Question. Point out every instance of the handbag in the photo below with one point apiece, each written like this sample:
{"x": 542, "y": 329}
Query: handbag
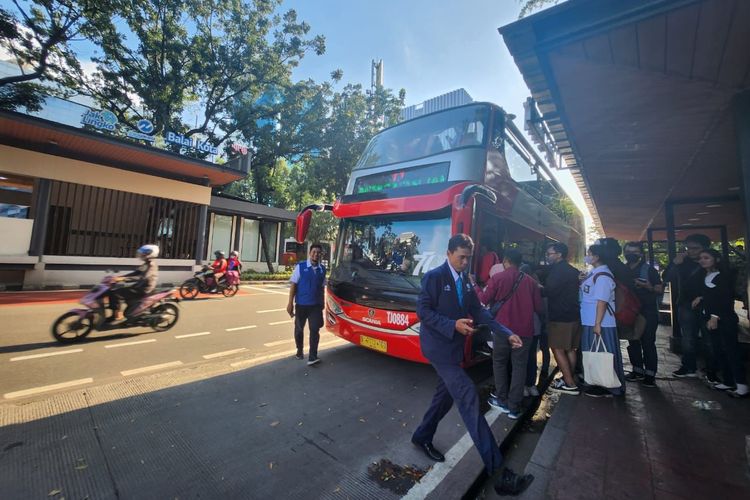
{"x": 495, "y": 308}
{"x": 599, "y": 366}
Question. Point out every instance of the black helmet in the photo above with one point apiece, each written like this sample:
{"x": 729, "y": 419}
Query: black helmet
{"x": 219, "y": 254}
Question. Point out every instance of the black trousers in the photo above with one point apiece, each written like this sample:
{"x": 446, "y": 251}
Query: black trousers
{"x": 642, "y": 352}
{"x": 728, "y": 352}
{"x": 313, "y": 316}
{"x": 131, "y": 296}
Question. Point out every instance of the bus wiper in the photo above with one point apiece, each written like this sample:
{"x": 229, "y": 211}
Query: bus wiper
{"x": 391, "y": 273}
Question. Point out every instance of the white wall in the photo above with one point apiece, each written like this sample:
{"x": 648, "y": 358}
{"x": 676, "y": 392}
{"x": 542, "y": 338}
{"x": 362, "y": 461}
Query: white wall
{"x": 16, "y": 236}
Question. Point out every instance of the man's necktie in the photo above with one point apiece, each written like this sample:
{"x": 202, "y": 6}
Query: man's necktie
{"x": 460, "y": 290}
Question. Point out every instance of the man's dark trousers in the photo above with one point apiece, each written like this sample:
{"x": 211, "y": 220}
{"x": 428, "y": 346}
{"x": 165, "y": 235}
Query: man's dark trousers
{"x": 313, "y": 315}
{"x": 455, "y": 384}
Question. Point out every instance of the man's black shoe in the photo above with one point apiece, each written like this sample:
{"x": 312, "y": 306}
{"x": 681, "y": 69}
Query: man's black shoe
{"x": 510, "y": 483}
{"x": 430, "y": 451}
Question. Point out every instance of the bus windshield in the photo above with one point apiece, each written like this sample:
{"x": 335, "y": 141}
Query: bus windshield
{"x": 390, "y": 253}
{"x": 429, "y": 135}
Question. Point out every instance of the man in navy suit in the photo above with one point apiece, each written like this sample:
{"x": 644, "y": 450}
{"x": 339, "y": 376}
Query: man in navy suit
{"x": 449, "y": 310}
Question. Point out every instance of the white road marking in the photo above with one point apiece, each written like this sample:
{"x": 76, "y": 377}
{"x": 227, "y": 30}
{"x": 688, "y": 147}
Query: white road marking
{"x": 269, "y": 357}
{"x": 123, "y": 344}
{"x": 47, "y": 388}
{"x": 278, "y": 342}
{"x": 265, "y": 290}
{"x": 240, "y": 328}
{"x": 199, "y": 334}
{"x": 224, "y": 353}
{"x": 281, "y": 342}
{"x": 281, "y": 322}
{"x": 45, "y": 355}
{"x": 151, "y": 368}
{"x": 271, "y": 310}
{"x": 440, "y": 470}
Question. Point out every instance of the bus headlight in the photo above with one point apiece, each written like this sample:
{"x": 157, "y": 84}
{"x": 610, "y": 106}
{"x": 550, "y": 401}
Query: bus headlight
{"x": 333, "y": 306}
{"x": 415, "y": 327}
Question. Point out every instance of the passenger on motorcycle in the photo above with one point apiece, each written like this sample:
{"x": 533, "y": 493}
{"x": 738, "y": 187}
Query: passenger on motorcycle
{"x": 138, "y": 284}
{"x": 219, "y": 268}
{"x": 234, "y": 263}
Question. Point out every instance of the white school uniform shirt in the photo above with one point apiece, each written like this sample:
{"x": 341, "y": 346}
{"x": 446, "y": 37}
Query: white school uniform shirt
{"x": 591, "y": 293}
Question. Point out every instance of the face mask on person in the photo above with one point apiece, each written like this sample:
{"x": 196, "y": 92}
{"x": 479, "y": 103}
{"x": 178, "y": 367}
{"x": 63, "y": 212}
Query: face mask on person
{"x": 632, "y": 258}
{"x": 588, "y": 260}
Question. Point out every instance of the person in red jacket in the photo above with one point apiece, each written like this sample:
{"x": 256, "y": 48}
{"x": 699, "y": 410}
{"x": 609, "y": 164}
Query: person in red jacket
{"x": 521, "y": 297}
{"x": 219, "y": 267}
{"x": 234, "y": 263}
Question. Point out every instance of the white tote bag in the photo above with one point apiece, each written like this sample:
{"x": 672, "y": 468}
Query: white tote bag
{"x": 599, "y": 366}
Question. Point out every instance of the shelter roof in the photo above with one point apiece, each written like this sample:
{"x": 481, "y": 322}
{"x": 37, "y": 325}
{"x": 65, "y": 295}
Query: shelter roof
{"x": 638, "y": 98}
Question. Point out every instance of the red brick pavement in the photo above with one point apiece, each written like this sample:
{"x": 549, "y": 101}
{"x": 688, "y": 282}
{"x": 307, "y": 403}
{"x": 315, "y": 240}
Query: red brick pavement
{"x": 655, "y": 444}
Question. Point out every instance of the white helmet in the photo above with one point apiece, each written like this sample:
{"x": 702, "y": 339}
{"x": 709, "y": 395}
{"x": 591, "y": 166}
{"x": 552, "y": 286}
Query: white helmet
{"x": 147, "y": 252}
{"x": 234, "y": 253}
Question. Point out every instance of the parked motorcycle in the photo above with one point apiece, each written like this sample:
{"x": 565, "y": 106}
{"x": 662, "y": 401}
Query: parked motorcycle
{"x": 203, "y": 282}
{"x": 157, "y": 310}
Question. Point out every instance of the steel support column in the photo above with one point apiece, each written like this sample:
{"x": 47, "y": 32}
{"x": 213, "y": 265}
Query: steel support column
{"x": 676, "y": 339}
{"x": 41, "y": 216}
{"x": 724, "y": 243}
{"x": 650, "y": 241}
{"x": 742, "y": 127}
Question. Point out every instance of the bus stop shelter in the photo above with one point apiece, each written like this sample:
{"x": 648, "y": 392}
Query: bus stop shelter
{"x": 648, "y": 104}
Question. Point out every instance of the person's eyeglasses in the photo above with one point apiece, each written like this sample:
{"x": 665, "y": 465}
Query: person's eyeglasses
{"x": 550, "y": 254}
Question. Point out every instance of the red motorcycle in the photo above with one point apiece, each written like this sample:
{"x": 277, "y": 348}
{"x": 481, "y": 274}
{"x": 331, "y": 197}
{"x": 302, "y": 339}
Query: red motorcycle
{"x": 203, "y": 282}
{"x": 157, "y": 310}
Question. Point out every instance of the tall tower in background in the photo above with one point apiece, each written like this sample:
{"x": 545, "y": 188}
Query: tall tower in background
{"x": 376, "y": 79}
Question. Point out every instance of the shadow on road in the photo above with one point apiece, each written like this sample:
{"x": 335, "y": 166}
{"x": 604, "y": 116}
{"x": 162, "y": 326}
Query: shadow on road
{"x": 93, "y": 337}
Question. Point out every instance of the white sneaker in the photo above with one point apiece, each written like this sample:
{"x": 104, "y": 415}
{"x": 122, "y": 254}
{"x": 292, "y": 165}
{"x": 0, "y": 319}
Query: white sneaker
{"x": 490, "y": 344}
{"x": 532, "y": 391}
{"x": 723, "y": 387}
{"x": 742, "y": 391}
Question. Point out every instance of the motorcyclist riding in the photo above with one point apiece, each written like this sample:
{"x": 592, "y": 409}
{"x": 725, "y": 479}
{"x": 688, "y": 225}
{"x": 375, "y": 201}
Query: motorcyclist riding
{"x": 234, "y": 263}
{"x": 219, "y": 268}
{"x": 138, "y": 283}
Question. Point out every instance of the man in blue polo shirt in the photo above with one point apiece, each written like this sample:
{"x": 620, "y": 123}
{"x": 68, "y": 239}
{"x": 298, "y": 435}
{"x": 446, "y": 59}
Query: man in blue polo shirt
{"x": 308, "y": 284}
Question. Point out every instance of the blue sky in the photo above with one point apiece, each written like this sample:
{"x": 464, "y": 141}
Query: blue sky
{"x": 428, "y": 48}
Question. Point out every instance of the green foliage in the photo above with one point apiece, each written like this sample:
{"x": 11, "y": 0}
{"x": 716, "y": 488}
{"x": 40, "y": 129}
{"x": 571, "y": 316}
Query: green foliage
{"x": 258, "y": 276}
{"x": 529, "y": 6}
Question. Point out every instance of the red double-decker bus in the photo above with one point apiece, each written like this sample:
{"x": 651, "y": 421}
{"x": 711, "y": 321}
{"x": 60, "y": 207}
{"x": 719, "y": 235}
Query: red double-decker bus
{"x": 465, "y": 169}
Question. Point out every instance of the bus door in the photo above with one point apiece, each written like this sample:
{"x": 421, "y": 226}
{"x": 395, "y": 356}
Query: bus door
{"x": 488, "y": 235}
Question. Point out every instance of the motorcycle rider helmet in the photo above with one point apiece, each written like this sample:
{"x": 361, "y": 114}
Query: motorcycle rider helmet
{"x": 234, "y": 253}
{"x": 219, "y": 254}
{"x": 147, "y": 252}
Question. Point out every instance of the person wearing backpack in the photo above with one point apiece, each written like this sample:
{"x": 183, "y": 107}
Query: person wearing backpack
{"x": 598, "y": 314}
{"x": 648, "y": 285}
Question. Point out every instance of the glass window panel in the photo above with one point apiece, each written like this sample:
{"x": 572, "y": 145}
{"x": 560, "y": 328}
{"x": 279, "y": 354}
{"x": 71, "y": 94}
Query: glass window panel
{"x": 249, "y": 240}
{"x": 270, "y": 233}
{"x": 221, "y": 237}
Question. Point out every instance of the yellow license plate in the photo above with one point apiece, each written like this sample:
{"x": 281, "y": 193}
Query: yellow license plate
{"x": 377, "y": 344}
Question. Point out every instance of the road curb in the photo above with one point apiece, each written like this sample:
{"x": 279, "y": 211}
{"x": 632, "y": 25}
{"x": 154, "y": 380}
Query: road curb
{"x": 544, "y": 458}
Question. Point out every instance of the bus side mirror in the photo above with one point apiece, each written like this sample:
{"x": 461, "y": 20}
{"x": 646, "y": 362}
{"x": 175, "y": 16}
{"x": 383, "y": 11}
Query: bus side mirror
{"x": 303, "y": 225}
{"x": 304, "y": 218}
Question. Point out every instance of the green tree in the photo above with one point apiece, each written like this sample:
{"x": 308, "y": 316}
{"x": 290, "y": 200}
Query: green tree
{"x": 529, "y": 6}
{"x": 38, "y": 36}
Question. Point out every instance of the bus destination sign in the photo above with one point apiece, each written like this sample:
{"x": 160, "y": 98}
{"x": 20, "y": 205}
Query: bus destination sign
{"x": 402, "y": 178}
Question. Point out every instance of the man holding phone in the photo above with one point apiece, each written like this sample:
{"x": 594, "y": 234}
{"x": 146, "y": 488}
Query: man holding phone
{"x": 648, "y": 286}
{"x": 449, "y": 311}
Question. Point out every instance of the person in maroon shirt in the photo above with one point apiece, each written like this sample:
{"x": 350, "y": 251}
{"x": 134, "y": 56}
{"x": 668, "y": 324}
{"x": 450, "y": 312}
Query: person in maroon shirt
{"x": 521, "y": 297}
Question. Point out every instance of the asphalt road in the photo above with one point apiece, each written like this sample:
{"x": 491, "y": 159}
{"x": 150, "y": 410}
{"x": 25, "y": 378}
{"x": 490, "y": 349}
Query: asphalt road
{"x": 253, "y": 323}
{"x": 217, "y": 407}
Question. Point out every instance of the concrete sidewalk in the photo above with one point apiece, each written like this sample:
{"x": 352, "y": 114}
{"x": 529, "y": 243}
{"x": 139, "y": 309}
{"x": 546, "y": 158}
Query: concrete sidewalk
{"x": 653, "y": 444}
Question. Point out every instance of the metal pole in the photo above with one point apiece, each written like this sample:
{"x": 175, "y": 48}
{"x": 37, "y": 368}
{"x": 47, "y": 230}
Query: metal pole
{"x": 742, "y": 126}
{"x": 724, "y": 244}
{"x": 41, "y": 217}
{"x": 650, "y": 238}
{"x": 676, "y": 339}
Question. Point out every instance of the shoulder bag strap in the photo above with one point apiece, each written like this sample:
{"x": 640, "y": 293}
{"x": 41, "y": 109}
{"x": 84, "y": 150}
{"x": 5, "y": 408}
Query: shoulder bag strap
{"x": 507, "y": 297}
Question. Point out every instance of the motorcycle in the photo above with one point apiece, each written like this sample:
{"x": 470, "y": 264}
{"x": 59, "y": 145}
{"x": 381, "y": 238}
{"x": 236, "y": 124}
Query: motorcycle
{"x": 203, "y": 282}
{"x": 157, "y": 310}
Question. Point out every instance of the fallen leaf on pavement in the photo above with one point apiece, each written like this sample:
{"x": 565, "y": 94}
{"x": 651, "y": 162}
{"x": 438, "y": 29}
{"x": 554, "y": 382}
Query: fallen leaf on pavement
{"x": 275, "y": 423}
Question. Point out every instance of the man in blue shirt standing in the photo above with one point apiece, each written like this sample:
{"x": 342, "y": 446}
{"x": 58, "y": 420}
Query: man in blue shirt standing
{"x": 449, "y": 310}
{"x": 308, "y": 288}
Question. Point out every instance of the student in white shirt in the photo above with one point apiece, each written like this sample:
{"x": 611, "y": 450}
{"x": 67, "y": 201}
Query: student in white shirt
{"x": 597, "y": 314}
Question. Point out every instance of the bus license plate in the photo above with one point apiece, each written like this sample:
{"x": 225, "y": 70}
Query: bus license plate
{"x": 377, "y": 344}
